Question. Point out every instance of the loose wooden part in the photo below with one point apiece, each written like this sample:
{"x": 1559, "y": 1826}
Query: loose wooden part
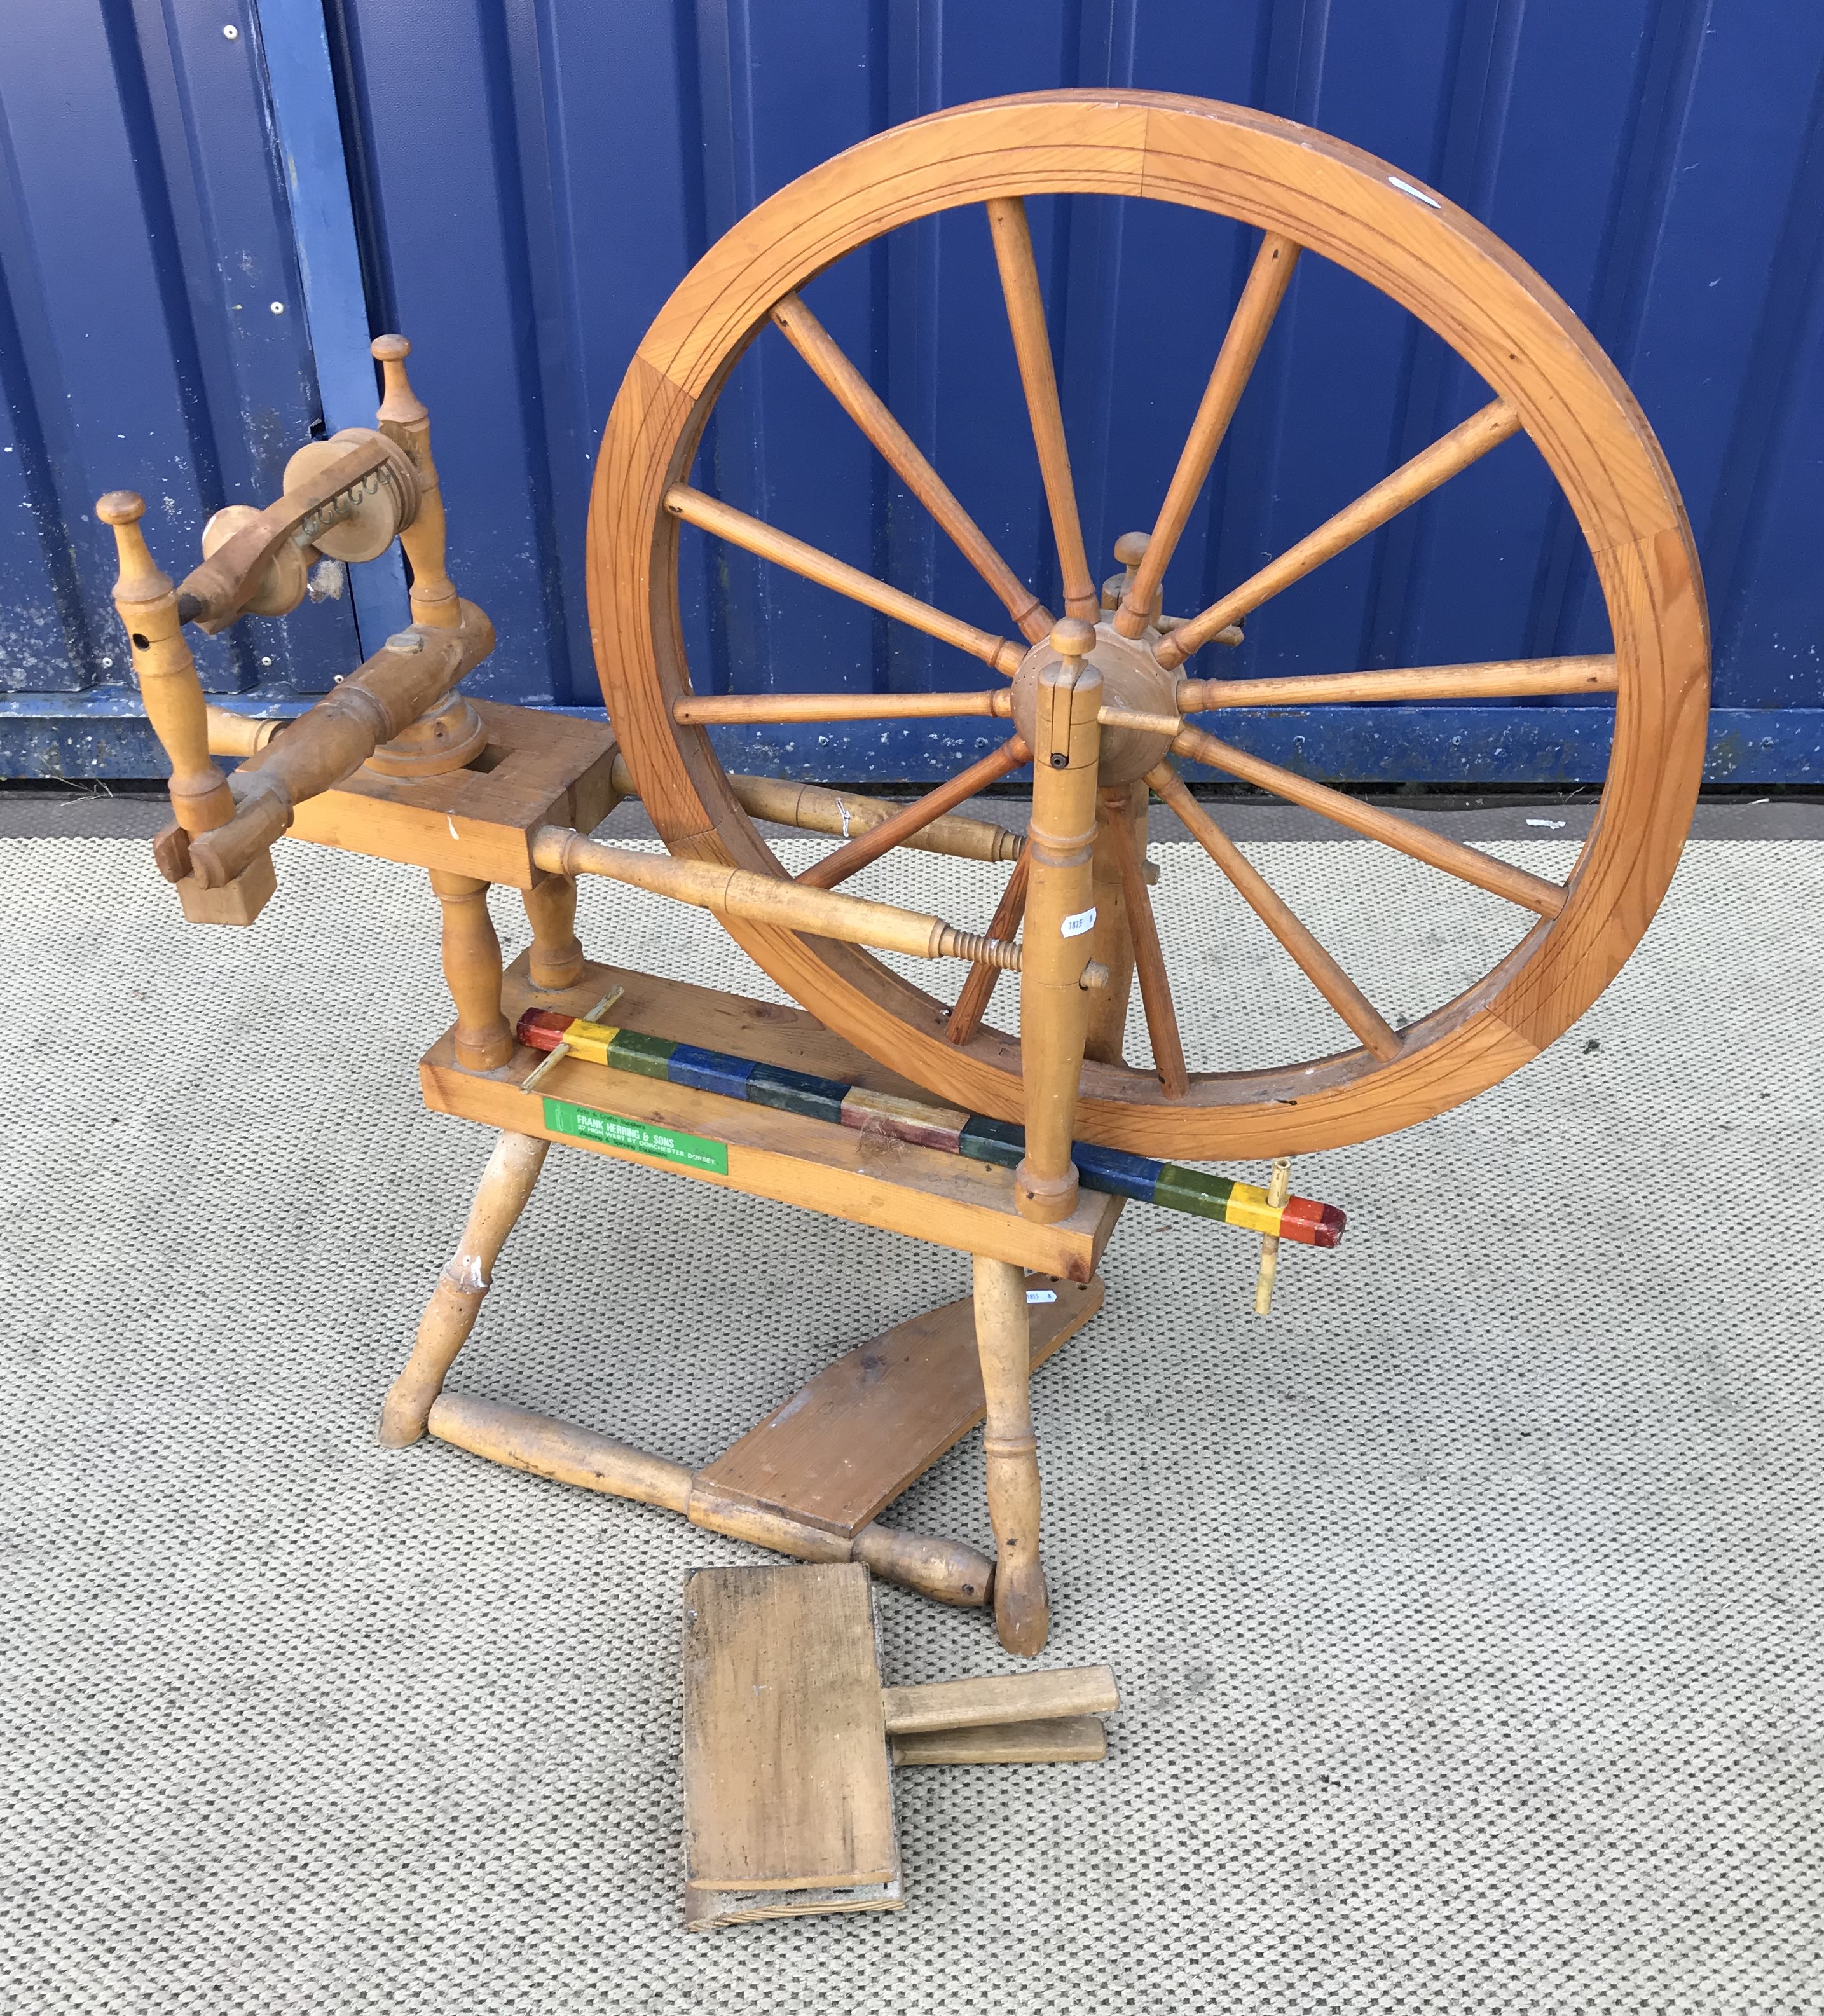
{"x": 739, "y": 892}
{"x": 1508, "y": 678}
{"x": 1061, "y": 840}
{"x": 1316, "y": 964}
{"x": 232, "y": 734}
{"x": 972, "y": 1002}
{"x": 858, "y": 399}
{"x": 896, "y": 831}
{"x": 786, "y": 1784}
{"x": 500, "y": 1195}
{"x": 707, "y": 710}
{"x": 411, "y": 671}
{"x": 167, "y": 673}
{"x": 1010, "y": 1456}
{"x": 1111, "y": 941}
{"x": 709, "y": 514}
{"x": 1032, "y": 347}
{"x": 1267, "y": 281}
{"x": 1445, "y": 457}
{"x": 1279, "y": 1190}
{"x": 1404, "y": 836}
{"x": 557, "y": 952}
{"x": 1000, "y": 1697}
{"x": 543, "y": 1447}
{"x": 472, "y": 968}
{"x": 1068, "y": 1739}
{"x": 404, "y": 418}
{"x": 1168, "y": 1056}
{"x": 814, "y": 808}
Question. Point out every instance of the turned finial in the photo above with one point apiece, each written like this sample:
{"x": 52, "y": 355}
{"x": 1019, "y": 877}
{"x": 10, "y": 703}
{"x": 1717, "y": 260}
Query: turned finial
{"x": 398, "y": 402}
{"x": 1073, "y": 638}
{"x": 1131, "y": 547}
{"x": 141, "y": 579}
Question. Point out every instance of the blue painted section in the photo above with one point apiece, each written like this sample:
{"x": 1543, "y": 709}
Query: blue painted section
{"x": 527, "y": 184}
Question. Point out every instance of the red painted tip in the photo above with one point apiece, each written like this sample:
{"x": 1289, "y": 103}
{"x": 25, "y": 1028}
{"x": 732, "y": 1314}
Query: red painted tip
{"x": 540, "y": 1029}
{"x": 1310, "y": 1223}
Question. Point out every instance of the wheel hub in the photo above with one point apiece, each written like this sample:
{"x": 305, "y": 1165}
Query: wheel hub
{"x": 1132, "y": 680}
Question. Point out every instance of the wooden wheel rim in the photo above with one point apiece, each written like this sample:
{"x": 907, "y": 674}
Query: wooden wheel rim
{"x": 1438, "y": 263}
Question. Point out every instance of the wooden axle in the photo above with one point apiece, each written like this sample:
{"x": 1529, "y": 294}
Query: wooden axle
{"x": 739, "y": 892}
{"x": 411, "y": 672}
{"x": 815, "y": 808}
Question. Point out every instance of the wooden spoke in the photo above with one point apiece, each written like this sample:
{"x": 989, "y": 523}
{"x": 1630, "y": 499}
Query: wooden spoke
{"x": 1267, "y": 282}
{"x": 978, "y": 986}
{"x": 1168, "y": 1055}
{"x": 1032, "y": 346}
{"x": 1404, "y": 836}
{"x": 1506, "y": 678}
{"x": 739, "y": 530}
{"x": 704, "y": 709}
{"x": 859, "y": 400}
{"x": 866, "y": 847}
{"x": 1447, "y": 455}
{"x": 1322, "y": 971}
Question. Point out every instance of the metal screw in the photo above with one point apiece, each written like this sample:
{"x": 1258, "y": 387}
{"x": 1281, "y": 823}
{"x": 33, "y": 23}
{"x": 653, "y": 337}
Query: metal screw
{"x": 279, "y": 308}
{"x": 405, "y": 640}
{"x": 232, "y": 32}
{"x": 265, "y": 661}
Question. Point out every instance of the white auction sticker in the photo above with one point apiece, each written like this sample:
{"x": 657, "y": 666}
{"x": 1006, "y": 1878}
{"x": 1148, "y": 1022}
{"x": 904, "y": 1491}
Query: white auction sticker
{"x": 1074, "y": 928}
{"x": 1041, "y": 1295}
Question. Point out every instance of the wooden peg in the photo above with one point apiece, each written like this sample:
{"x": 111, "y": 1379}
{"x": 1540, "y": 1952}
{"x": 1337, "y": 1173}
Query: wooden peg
{"x": 472, "y": 966}
{"x": 1111, "y": 941}
{"x": 1060, "y": 914}
{"x": 556, "y": 1055}
{"x": 404, "y": 418}
{"x": 557, "y": 956}
{"x": 1279, "y": 1190}
{"x": 200, "y": 799}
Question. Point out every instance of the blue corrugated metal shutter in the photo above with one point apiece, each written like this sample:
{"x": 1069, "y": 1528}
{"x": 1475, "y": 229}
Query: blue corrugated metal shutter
{"x": 530, "y": 183}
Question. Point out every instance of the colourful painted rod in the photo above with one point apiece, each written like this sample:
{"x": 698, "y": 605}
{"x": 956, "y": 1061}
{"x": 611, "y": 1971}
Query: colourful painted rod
{"x": 1137, "y": 1176}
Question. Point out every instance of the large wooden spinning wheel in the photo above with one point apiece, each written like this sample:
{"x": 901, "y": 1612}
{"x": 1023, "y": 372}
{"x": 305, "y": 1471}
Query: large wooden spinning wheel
{"x": 1308, "y": 195}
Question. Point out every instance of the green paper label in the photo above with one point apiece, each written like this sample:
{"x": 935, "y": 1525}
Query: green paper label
{"x": 612, "y": 1131}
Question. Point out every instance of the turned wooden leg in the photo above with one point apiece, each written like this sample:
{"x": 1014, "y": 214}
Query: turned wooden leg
{"x": 1023, "y": 1615}
{"x": 557, "y": 956}
{"x": 472, "y": 967}
{"x": 506, "y": 1184}
{"x": 1060, "y": 839}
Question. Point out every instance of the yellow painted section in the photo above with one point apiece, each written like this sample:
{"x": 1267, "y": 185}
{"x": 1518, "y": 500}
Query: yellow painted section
{"x": 590, "y": 1040}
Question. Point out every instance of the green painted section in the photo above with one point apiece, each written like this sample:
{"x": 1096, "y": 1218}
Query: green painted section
{"x": 649, "y": 1056}
{"x": 611, "y": 1130}
{"x": 1188, "y": 1189}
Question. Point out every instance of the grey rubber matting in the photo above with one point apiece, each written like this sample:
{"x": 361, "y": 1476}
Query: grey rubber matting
{"x": 1466, "y": 1611}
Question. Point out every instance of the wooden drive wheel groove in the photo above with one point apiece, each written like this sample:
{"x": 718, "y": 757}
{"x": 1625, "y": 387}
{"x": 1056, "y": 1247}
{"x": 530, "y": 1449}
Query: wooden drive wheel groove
{"x": 1307, "y": 195}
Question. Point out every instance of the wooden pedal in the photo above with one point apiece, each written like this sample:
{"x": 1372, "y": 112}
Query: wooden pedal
{"x": 790, "y": 1739}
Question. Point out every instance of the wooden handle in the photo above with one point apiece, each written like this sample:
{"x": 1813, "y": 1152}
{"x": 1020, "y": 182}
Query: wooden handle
{"x": 404, "y": 418}
{"x": 168, "y": 684}
{"x": 1000, "y": 1697}
{"x": 1067, "y": 1739}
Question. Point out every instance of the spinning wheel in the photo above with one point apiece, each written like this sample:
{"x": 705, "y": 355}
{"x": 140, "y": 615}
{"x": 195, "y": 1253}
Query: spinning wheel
{"x": 1307, "y": 195}
{"x": 832, "y": 1110}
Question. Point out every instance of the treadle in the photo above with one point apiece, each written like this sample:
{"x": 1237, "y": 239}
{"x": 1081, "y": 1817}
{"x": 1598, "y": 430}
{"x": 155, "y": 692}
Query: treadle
{"x": 844, "y": 1446}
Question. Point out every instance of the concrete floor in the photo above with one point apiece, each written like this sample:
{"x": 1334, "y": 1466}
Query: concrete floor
{"x": 1466, "y": 1611}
